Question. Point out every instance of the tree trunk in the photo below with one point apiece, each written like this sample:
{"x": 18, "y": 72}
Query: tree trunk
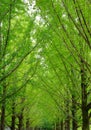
{"x": 27, "y": 125}
{"x": 61, "y": 125}
{"x": 74, "y": 122}
{"x": 3, "y": 108}
{"x": 20, "y": 125}
{"x": 67, "y": 124}
{"x": 13, "y": 117}
{"x": 3, "y": 117}
{"x": 85, "y": 117}
{"x": 67, "y": 121}
{"x": 55, "y": 126}
{"x": 20, "y": 117}
{"x": 3, "y": 92}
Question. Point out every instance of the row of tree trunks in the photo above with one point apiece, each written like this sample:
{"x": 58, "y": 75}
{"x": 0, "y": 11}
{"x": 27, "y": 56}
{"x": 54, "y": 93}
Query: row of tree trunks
{"x": 59, "y": 125}
{"x": 66, "y": 125}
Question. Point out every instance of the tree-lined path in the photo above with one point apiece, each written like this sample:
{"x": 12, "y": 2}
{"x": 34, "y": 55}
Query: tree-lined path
{"x": 45, "y": 64}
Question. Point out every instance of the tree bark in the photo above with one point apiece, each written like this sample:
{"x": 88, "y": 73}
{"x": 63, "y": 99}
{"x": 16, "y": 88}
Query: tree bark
{"x": 20, "y": 125}
{"x": 67, "y": 124}
{"x": 13, "y": 117}
{"x": 28, "y": 125}
{"x": 62, "y": 125}
{"x": 67, "y": 121}
{"x": 20, "y": 117}
{"x": 3, "y": 117}
{"x": 3, "y": 108}
{"x": 74, "y": 122}
{"x": 85, "y": 117}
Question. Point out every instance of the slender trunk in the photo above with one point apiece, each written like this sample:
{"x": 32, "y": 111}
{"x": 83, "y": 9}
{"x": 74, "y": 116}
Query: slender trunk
{"x": 67, "y": 121}
{"x": 74, "y": 122}
{"x": 3, "y": 104}
{"x": 3, "y": 117}
{"x": 61, "y": 125}
{"x": 27, "y": 125}
{"x": 20, "y": 125}
{"x": 67, "y": 124}
{"x": 20, "y": 117}
{"x": 13, "y": 117}
{"x": 58, "y": 125}
{"x": 85, "y": 117}
{"x": 3, "y": 108}
{"x": 55, "y": 126}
